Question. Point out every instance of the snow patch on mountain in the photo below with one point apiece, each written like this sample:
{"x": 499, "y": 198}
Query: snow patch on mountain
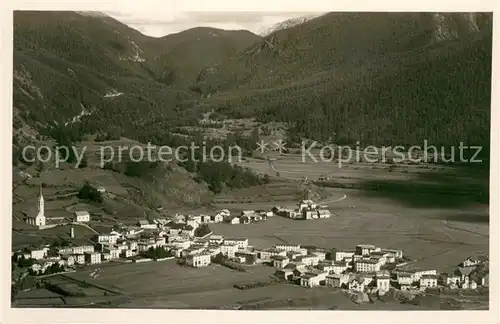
{"x": 288, "y": 24}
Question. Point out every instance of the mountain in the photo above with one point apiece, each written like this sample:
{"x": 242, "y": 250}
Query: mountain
{"x": 188, "y": 52}
{"x": 287, "y": 24}
{"x": 380, "y": 78}
{"x": 70, "y": 64}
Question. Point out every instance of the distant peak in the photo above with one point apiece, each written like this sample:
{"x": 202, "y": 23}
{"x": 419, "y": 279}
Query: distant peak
{"x": 92, "y": 13}
{"x": 289, "y": 23}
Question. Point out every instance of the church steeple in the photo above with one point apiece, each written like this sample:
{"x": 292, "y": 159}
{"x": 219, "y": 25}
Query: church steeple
{"x": 40, "y": 202}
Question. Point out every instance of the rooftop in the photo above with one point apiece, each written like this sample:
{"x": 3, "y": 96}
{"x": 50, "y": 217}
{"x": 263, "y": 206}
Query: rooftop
{"x": 366, "y": 246}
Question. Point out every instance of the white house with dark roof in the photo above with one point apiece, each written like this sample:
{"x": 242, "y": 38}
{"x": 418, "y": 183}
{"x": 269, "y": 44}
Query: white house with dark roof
{"x": 82, "y": 216}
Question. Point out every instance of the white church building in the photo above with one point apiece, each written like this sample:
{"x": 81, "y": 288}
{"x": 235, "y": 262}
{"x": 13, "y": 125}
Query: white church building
{"x": 38, "y": 219}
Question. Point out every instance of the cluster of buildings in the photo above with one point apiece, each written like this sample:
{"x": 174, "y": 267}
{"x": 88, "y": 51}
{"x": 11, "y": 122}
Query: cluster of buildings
{"x": 307, "y": 209}
{"x": 41, "y": 221}
{"x": 369, "y": 269}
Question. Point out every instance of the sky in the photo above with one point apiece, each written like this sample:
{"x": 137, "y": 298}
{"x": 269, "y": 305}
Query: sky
{"x": 160, "y": 23}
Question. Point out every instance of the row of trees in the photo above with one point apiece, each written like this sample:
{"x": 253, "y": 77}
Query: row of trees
{"x": 157, "y": 253}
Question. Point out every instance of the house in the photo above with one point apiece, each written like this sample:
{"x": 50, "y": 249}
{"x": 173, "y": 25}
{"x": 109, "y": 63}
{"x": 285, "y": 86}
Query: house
{"x": 108, "y": 238}
{"x": 309, "y": 259}
{"x": 82, "y": 249}
{"x": 266, "y": 254}
{"x": 38, "y": 254}
{"x": 244, "y": 220}
{"x": 427, "y": 281}
{"x": 68, "y": 259}
{"x": 397, "y": 254}
{"x": 366, "y": 278}
{"x": 79, "y": 258}
{"x": 82, "y": 216}
{"x": 191, "y": 251}
{"x": 383, "y": 283}
{"x": 284, "y": 274}
{"x": 481, "y": 276}
{"x": 356, "y": 285}
{"x": 233, "y": 220}
{"x": 339, "y": 267}
{"x": 469, "y": 284}
{"x": 250, "y": 257}
{"x": 324, "y": 213}
{"x": 187, "y": 230}
{"x": 309, "y": 213}
{"x": 229, "y": 249}
{"x": 241, "y": 242}
{"x": 255, "y": 218}
{"x": 287, "y": 247}
{"x": 448, "y": 279}
{"x": 364, "y": 249}
{"x": 367, "y": 265}
{"x": 417, "y": 273}
{"x": 218, "y": 218}
{"x": 146, "y": 224}
{"x": 214, "y": 249}
{"x": 39, "y": 218}
{"x": 405, "y": 279}
{"x": 128, "y": 253}
{"x": 193, "y": 223}
{"x": 198, "y": 260}
{"x": 312, "y": 278}
{"x": 342, "y": 255}
{"x": 280, "y": 262}
{"x": 216, "y": 239}
{"x": 114, "y": 253}
{"x": 320, "y": 255}
{"x": 337, "y": 280}
{"x": 306, "y": 204}
{"x": 205, "y": 219}
{"x": 473, "y": 261}
{"x": 266, "y": 213}
{"x": 295, "y": 265}
{"x": 247, "y": 212}
{"x": 92, "y": 257}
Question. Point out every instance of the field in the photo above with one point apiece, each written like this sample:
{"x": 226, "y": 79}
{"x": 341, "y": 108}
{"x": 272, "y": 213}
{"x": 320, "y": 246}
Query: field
{"x": 432, "y": 237}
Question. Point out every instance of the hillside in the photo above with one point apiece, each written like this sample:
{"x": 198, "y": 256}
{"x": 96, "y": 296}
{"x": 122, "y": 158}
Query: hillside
{"x": 77, "y": 75}
{"x": 68, "y": 64}
{"x": 380, "y": 78}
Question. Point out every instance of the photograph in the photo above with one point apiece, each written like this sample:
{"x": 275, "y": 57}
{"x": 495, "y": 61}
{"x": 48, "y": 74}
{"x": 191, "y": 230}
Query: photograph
{"x": 251, "y": 160}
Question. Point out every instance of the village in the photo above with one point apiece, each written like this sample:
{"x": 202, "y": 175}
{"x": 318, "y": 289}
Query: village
{"x": 366, "y": 268}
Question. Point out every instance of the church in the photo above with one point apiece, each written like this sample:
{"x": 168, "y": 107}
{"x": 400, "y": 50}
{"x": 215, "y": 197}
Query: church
{"x": 38, "y": 219}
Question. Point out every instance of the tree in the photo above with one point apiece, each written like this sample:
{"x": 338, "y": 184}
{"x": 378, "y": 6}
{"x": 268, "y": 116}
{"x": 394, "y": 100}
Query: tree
{"x": 90, "y": 193}
{"x": 202, "y": 230}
